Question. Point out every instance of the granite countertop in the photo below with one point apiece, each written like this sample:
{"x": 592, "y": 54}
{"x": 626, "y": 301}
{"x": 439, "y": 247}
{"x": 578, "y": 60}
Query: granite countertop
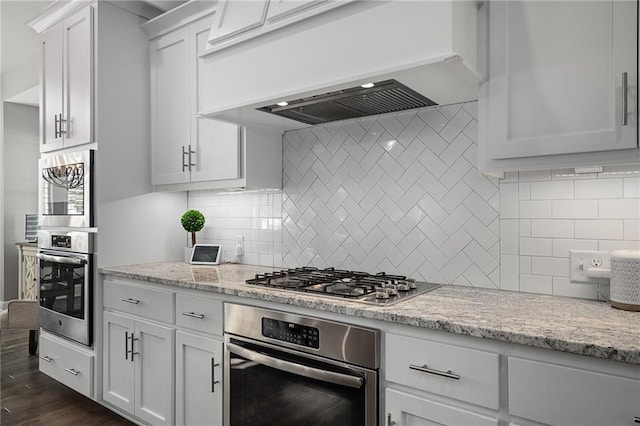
{"x": 565, "y": 324}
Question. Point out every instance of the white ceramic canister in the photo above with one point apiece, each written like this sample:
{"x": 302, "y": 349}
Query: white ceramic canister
{"x": 625, "y": 279}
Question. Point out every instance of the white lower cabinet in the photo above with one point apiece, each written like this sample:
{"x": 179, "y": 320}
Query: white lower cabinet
{"x": 67, "y": 362}
{"x": 138, "y": 365}
{"x": 406, "y": 409}
{"x": 561, "y": 395}
{"x": 461, "y": 381}
{"x": 198, "y": 380}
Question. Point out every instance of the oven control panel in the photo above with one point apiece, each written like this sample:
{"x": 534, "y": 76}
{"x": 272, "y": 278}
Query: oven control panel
{"x": 61, "y": 241}
{"x": 291, "y": 332}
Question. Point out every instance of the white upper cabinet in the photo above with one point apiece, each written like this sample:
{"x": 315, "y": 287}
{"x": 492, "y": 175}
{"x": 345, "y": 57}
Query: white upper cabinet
{"x": 66, "y": 112}
{"x": 562, "y": 80}
{"x": 191, "y": 152}
{"x": 236, "y": 17}
{"x": 170, "y": 108}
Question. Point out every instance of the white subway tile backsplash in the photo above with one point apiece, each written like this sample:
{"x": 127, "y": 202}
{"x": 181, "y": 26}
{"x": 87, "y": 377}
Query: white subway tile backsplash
{"x": 632, "y": 229}
{"x": 574, "y": 209}
{"x": 509, "y": 236}
{"x": 402, "y": 193}
{"x": 610, "y": 245}
{"x": 599, "y": 229}
{"x": 509, "y": 196}
{"x": 598, "y": 188}
{"x": 627, "y": 208}
{"x": 561, "y": 247}
{"x": 536, "y": 284}
{"x": 554, "y": 190}
{"x": 552, "y": 228}
{"x": 553, "y": 266}
{"x": 631, "y": 188}
{"x": 535, "y": 246}
{"x": 509, "y": 272}
{"x": 535, "y": 209}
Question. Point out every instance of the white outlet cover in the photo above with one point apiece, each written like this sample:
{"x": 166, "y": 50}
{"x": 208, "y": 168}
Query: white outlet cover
{"x": 580, "y": 261}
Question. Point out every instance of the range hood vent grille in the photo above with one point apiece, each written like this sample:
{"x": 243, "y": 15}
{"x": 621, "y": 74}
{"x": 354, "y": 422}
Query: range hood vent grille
{"x": 384, "y": 97}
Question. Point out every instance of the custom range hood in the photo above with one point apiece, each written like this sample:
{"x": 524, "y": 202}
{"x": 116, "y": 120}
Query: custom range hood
{"x": 417, "y": 53}
{"x": 361, "y": 101}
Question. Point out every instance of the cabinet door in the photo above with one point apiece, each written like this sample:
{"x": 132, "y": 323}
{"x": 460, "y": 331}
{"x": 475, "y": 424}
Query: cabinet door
{"x": 556, "y": 77}
{"x": 117, "y": 363}
{"x": 198, "y": 380}
{"x": 78, "y": 78}
{"x": 406, "y": 409}
{"x": 555, "y": 394}
{"x": 153, "y": 355}
{"x": 170, "y": 108}
{"x": 51, "y": 88}
{"x": 217, "y": 155}
{"x": 236, "y": 17}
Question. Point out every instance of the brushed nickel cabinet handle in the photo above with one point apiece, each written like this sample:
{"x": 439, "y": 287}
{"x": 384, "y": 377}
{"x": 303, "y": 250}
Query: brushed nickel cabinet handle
{"x": 126, "y": 345}
{"x": 46, "y": 358}
{"x": 193, "y": 315}
{"x": 191, "y": 163}
{"x": 185, "y": 165}
{"x": 55, "y": 126}
{"x": 425, "y": 369}
{"x": 132, "y": 301}
{"x": 214, "y": 382}
{"x": 625, "y": 100}
{"x": 72, "y": 371}
{"x": 60, "y": 121}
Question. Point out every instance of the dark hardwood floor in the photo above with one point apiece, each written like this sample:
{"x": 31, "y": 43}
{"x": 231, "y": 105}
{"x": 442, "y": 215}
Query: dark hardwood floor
{"x": 32, "y": 398}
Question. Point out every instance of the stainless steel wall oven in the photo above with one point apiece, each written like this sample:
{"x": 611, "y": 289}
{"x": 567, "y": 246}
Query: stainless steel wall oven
{"x": 287, "y": 369}
{"x": 65, "y": 190}
{"x": 65, "y": 278}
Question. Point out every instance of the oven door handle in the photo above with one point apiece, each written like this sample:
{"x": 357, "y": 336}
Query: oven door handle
{"x": 300, "y": 370}
{"x": 61, "y": 259}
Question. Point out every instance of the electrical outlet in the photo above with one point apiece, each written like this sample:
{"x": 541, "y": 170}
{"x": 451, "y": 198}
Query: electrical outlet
{"x": 239, "y": 245}
{"x": 582, "y": 260}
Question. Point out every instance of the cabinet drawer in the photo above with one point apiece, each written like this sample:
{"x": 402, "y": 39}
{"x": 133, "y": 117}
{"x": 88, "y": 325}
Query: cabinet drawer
{"x": 141, "y": 301}
{"x": 555, "y": 394}
{"x": 198, "y": 313}
{"x": 416, "y": 363}
{"x": 70, "y": 366}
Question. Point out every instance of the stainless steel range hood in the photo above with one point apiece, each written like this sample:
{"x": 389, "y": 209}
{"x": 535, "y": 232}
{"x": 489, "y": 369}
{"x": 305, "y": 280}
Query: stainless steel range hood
{"x": 362, "y": 101}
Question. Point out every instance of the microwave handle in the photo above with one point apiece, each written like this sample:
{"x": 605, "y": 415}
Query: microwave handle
{"x": 61, "y": 259}
{"x": 300, "y": 370}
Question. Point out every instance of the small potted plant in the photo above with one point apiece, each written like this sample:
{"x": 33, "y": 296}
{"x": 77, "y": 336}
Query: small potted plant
{"x": 192, "y": 221}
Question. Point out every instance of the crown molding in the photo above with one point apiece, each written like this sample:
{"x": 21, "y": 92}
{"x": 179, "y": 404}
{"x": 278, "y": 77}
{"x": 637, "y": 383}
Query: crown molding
{"x": 55, "y": 13}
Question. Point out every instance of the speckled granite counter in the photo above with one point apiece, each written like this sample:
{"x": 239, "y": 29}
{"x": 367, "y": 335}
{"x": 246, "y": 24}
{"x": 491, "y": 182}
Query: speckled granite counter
{"x": 570, "y": 325}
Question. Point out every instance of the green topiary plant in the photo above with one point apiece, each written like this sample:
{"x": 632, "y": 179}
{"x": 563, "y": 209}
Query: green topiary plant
{"x": 192, "y": 221}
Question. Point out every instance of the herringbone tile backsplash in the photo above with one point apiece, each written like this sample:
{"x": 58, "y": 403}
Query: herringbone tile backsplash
{"x": 396, "y": 193}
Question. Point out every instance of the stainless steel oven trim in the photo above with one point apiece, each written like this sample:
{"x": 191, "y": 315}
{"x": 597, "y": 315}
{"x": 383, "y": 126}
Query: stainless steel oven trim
{"x": 72, "y": 221}
{"x": 76, "y": 329}
{"x": 370, "y": 377}
{"x": 339, "y": 341}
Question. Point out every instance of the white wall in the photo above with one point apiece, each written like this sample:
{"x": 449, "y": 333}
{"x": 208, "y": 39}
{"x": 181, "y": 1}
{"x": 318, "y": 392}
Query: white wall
{"x": 20, "y": 176}
{"x": 401, "y": 193}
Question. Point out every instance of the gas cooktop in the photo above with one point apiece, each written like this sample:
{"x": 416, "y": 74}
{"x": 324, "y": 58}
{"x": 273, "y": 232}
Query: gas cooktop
{"x": 376, "y": 289}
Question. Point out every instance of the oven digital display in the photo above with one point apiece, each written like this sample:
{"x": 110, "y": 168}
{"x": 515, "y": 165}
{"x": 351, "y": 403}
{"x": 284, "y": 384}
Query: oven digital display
{"x": 291, "y": 332}
{"x": 63, "y": 241}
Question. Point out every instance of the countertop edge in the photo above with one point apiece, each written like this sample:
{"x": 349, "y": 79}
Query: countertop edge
{"x": 543, "y": 342}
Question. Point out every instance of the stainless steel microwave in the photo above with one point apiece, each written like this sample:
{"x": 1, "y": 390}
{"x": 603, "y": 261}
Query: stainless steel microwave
{"x": 65, "y": 190}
